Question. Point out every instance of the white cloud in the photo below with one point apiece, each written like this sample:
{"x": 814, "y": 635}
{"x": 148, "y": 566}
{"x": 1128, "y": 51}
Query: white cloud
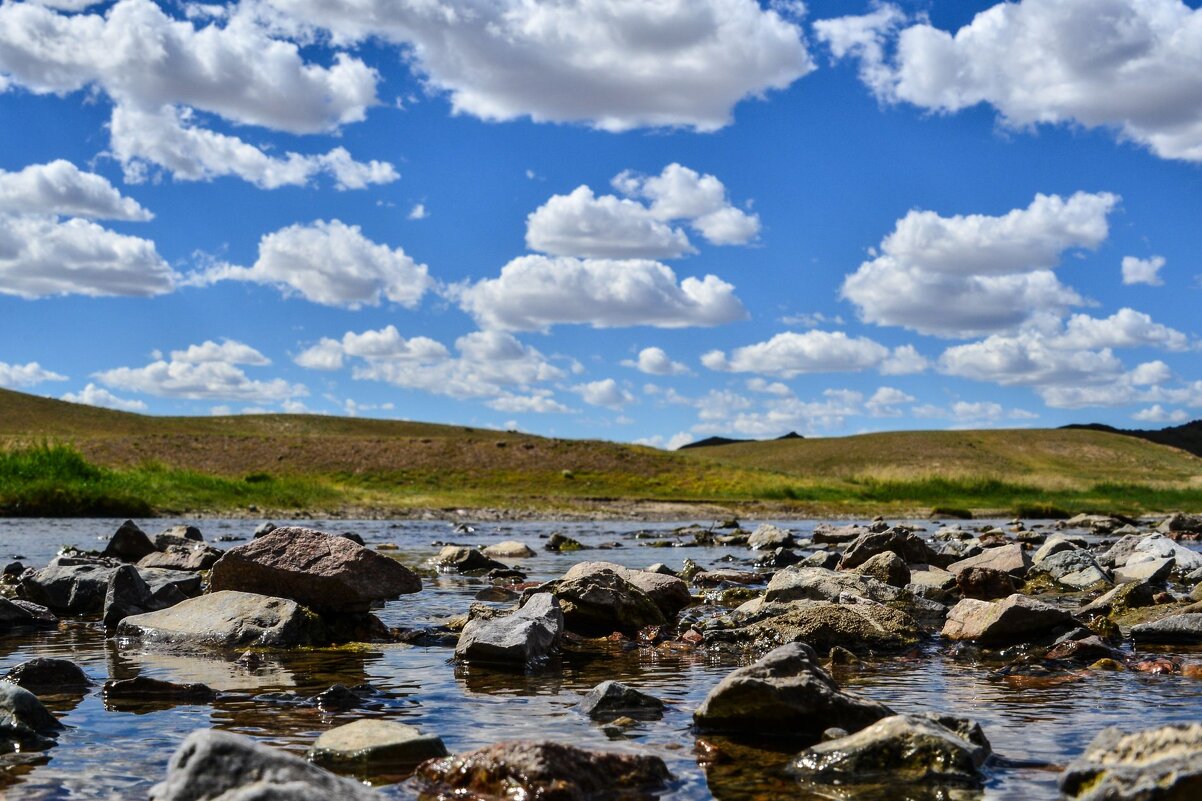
{"x": 1126, "y": 328}
{"x": 904, "y": 360}
{"x": 605, "y": 392}
{"x": 584, "y": 225}
{"x": 92, "y": 395}
{"x": 194, "y": 377}
{"x": 26, "y": 375}
{"x": 1028, "y": 358}
{"x": 768, "y": 387}
{"x": 1143, "y": 271}
{"x": 655, "y": 361}
{"x": 1158, "y": 414}
{"x": 670, "y": 444}
{"x": 61, "y": 188}
{"x": 229, "y": 351}
{"x": 333, "y": 264}
{"x": 385, "y": 344}
{"x": 536, "y": 292}
{"x": 1134, "y": 66}
{"x": 971, "y": 274}
{"x": 612, "y": 65}
{"x": 885, "y": 400}
{"x": 965, "y": 411}
{"x": 418, "y": 212}
{"x": 1150, "y": 374}
{"x": 679, "y": 193}
{"x": 789, "y": 354}
{"x": 811, "y": 319}
{"x": 538, "y": 401}
{"x": 727, "y": 413}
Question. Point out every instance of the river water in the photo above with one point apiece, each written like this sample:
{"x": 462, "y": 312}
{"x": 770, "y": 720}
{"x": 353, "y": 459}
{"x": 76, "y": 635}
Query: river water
{"x": 119, "y": 753}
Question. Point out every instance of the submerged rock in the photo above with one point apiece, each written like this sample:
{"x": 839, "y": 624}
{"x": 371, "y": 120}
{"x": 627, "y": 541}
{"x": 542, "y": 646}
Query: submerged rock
{"x": 24, "y": 722}
{"x": 1185, "y": 628}
{"x": 321, "y": 571}
{"x": 375, "y": 745}
{"x": 1015, "y": 619}
{"x": 610, "y": 699}
{"x": 528, "y": 636}
{"x": 227, "y": 619}
{"x": 543, "y": 770}
{"x": 824, "y": 625}
{"x": 144, "y": 688}
{"x": 214, "y": 765}
{"x": 561, "y": 542}
{"x": 43, "y": 675}
{"x": 1149, "y": 765}
{"x": 785, "y": 694}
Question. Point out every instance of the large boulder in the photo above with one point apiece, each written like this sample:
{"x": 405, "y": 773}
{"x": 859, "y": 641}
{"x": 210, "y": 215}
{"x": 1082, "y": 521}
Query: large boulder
{"x": 1017, "y": 618}
{"x": 321, "y": 571}
{"x": 1010, "y": 559}
{"x": 907, "y": 749}
{"x": 129, "y": 543}
{"x": 602, "y": 602}
{"x": 820, "y": 584}
{"x": 542, "y": 770}
{"x": 214, "y": 765}
{"x": 227, "y": 619}
{"x": 787, "y": 693}
{"x": 1162, "y": 764}
{"x": 70, "y": 585}
{"x": 1185, "y": 628}
{"x": 823, "y": 625}
{"x": 375, "y": 745}
{"x": 669, "y": 593}
{"x": 912, "y": 548}
{"x": 129, "y": 594}
{"x": 1158, "y": 546}
{"x": 526, "y": 637}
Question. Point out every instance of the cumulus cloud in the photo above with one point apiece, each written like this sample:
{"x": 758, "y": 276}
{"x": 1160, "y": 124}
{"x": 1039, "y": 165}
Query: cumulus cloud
{"x": 885, "y": 400}
{"x": 1029, "y": 358}
{"x": 1158, "y": 414}
{"x": 971, "y": 274}
{"x": 611, "y": 65}
{"x": 1126, "y": 328}
{"x": 671, "y": 443}
{"x": 679, "y": 193}
{"x": 582, "y": 224}
{"x": 534, "y": 293}
{"x": 655, "y": 361}
{"x": 605, "y": 392}
{"x": 721, "y": 412}
{"x": 385, "y": 344}
{"x": 26, "y": 375}
{"x": 1143, "y": 271}
{"x": 540, "y": 401}
{"x": 229, "y": 351}
{"x": 62, "y": 189}
{"x": 790, "y": 354}
{"x": 330, "y": 263}
{"x": 198, "y": 373}
{"x": 92, "y": 395}
{"x": 1133, "y": 66}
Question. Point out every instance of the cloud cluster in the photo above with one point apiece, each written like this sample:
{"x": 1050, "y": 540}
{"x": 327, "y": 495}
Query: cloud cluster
{"x": 208, "y": 371}
{"x": 92, "y": 395}
{"x": 15, "y": 376}
{"x": 790, "y": 354}
{"x": 1143, "y": 271}
{"x": 655, "y": 361}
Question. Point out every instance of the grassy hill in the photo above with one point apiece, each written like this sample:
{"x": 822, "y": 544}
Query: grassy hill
{"x": 63, "y": 458}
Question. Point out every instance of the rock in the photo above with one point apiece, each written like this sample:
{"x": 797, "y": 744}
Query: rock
{"x": 887, "y": 567}
{"x": 611, "y": 699}
{"x": 263, "y": 529}
{"x": 214, "y": 765}
{"x": 1157, "y": 546}
{"x": 1153, "y": 571}
{"x": 1178, "y": 523}
{"x": 465, "y": 560}
{"x": 24, "y": 722}
{"x": 1073, "y": 568}
{"x": 144, "y": 688}
{"x": 1149, "y": 765}
{"x": 820, "y": 584}
{"x": 1087, "y": 649}
{"x": 129, "y": 594}
{"x": 158, "y": 578}
{"x": 1132, "y": 595}
{"x": 1014, "y": 619}
{"x": 177, "y": 535}
{"x": 526, "y": 637}
{"x": 18, "y": 614}
{"x": 984, "y": 583}
{"x": 509, "y": 549}
{"x": 43, "y": 676}
{"x": 768, "y": 537}
{"x": 542, "y": 770}
{"x": 903, "y": 542}
{"x": 787, "y": 693}
{"x": 714, "y": 578}
{"x": 320, "y": 571}
{"x": 1055, "y": 544}
{"x": 559, "y": 542}
{"x": 375, "y": 745}
{"x": 901, "y": 749}
{"x": 1097, "y": 524}
{"x": 1010, "y": 559}
{"x": 824, "y": 625}
{"x": 70, "y": 585}
{"x": 129, "y": 543}
{"x": 932, "y": 576}
{"x": 836, "y": 535}
{"x": 669, "y": 593}
{"x": 602, "y": 602}
{"x": 191, "y": 556}
{"x": 1184, "y": 628}
{"x": 227, "y": 619}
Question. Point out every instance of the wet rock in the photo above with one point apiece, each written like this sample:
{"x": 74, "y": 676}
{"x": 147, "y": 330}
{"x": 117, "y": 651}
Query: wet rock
{"x": 1178, "y": 523}
{"x": 177, "y": 535}
{"x": 509, "y": 549}
{"x": 190, "y": 556}
{"x": 836, "y": 535}
{"x": 901, "y": 749}
{"x": 603, "y": 602}
{"x": 337, "y": 698}
{"x": 465, "y": 560}
{"x": 526, "y": 637}
{"x": 1184, "y": 628}
{"x": 1010, "y": 559}
{"x": 785, "y": 694}
{"x": 145, "y": 689}
{"x": 780, "y": 557}
{"x": 667, "y": 592}
{"x": 559, "y": 542}
{"x": 1014, "y": 619}
{"x": 24, "y": 722}
{"x": 43, "y": 675}
{"x": 1087, "y": 649}
{"x": 1097, "y": 524}
{"x": 932, "y": 576}
{"x": 321, "y": 571}
{"x": 824, "y": 559}
{"x": 824, "y": 625}
{"x": 768, "y": 537}
{"x": 820, "y": 584}
{"x": 70, "y": 585}
{"x": 214, "y": 765}
{"x": 903, "y": 542}
{"x": 227, "y": 619}
{"x": 375, "y": 745}
{"x": 611, "y": 699}
{"x": 263, "y": 529}
{"x": 158, "y": 578}
{"x": 984, "y": 583}
{"x": 129, "y": 543}
{"x": 1154, "y": 571}
{"x": 715, "y": 578}
{"x": 129, "y": 594}
{"x": 17, "y": 614}
{"x": 1132, "y": 595}
{"x": 543, "y": 770}
{"x": 1054, "y": 545}
{"x": 1074, "y": 568}
{"x": 1148, "y": 765}
{"x": 886, "y": 567}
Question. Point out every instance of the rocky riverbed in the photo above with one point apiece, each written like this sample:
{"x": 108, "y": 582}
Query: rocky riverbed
{"x": 221, "y": 659}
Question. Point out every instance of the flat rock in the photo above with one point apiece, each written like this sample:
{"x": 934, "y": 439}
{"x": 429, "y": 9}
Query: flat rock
{"x": 1153, "y": 571}
{"x": 1017, "y": 618}
{"x": 144, "y": 688}
{"x": 43, "y": 675}
{"x": 1185, "y": 628}
{"x": 611, "y": 699}
{"x": 526, "y": 637}
{"x": 1010, "y": 559}
{"x": 668, "y": 592}
{"x": 375, "y": 744}
{"x": 1158, "y": 546}
{"x": 227, "y": 619}
{"x": 769, "y": 537}
{"x": 786, "y": 693}
{"x": 320, "y": 571}
{"x": 509, "y": 549}
{"x": 1163, "y": 764}
{"x": 186, "y": 556}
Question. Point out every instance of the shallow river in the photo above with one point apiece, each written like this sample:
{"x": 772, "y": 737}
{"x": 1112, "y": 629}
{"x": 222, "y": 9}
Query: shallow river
{"x": 120, "y": 753}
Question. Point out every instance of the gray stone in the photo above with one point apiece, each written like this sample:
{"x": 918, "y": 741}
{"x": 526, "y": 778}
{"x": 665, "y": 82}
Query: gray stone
{"x": 1054, "y": 544}
{"x": 822, "y": 625}
{"x": 129, "y": 594}
{"x": 70, "y": 585}
{"x": 819, "y": 584}
{"x": 611, "y": 699}
{"x": 887, "y": 567}
{"x": 1010, "y": 559}
{"x": 602, "y": 602}
{"x": 129, "y": 543}
{"x": 227, "y": 619}
{"x": 182, "y": 556}
{"x": 1131, "y": 595}
{"x": 1156, "y": 546}
{"x": 214, "y": 765}
{"x": 374, "y": 744}
{"x": 769, "y": 537}
{"x": 1163, "y": 764}
{"x": 16, "y": 614}
{"x": 1014, "y": 619}
{"x": 667, "y": 592}
{"x": 24, "y": 722}
{"x": 1154, "y": 571}
{"x": 43, "y": 675}
{"x": 1073, "y": 568}
{"x": 1178, "y": 523}
{"x": 509, "y": 549}
{"x": 466, "y": 560}
{"x": 1184, "y": 628}
{"x": 177, "y": 535}
{"x": 901, "y": 541}
{"x": 528, "y": 636}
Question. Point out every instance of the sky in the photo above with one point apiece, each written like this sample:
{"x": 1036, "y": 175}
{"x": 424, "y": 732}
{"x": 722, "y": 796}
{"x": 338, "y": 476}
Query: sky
{"x": 640, "y": 220}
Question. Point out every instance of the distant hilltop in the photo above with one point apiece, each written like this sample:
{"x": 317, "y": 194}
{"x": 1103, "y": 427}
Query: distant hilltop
{"x": 710, "y": 442}
{"x": 1187, "y": 437}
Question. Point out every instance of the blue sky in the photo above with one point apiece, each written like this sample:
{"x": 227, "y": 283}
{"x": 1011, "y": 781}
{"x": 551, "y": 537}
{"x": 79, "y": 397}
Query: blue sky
{"x": 651, "y": 221}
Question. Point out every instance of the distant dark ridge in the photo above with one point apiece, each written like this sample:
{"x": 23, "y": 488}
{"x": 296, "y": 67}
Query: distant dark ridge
{"x": 1187, "y": 437}
{"x": 713, "y": 442}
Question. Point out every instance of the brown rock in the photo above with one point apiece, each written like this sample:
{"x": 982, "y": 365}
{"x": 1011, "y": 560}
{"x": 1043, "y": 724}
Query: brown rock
{"x": 887, "y": 567}
{"x": 1010, "y": 559}
{"x": 984, "y": 583}
{"x": 193, "y": 556}
{"x": 1015, "y": 619}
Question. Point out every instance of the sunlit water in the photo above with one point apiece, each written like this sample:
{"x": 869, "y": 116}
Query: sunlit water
{"x": 113, "y": 753}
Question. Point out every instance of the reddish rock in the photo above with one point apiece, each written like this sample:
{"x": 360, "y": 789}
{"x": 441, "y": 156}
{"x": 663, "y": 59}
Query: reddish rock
{"x": 1010, "y": 559}
{"x": 322, "y": 571}
{"x": 984, "y": 583}
{"x": 1015, "y": 619}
